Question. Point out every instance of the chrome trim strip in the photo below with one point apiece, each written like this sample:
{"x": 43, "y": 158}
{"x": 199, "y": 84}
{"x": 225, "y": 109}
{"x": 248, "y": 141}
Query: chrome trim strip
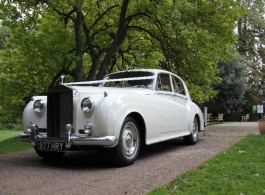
{"x": 96, "y": 141}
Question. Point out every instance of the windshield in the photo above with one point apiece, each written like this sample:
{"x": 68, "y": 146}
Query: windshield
{"x": 135, "y": 79}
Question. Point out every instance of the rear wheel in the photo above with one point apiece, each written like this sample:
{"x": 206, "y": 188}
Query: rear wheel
{"x": 193, "y": 137}
{"x": 49, "y": 155}
{"x": 128, "y": 147}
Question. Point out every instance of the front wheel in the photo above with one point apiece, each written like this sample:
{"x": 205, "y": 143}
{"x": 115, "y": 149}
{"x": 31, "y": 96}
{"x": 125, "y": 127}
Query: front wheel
{"x": 128, "y": 147}
{"x": 193, "y": 137}
{"x": 49, "y": 155}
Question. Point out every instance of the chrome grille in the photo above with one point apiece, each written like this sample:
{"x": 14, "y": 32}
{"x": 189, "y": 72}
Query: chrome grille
{"x": 59, "y": 111}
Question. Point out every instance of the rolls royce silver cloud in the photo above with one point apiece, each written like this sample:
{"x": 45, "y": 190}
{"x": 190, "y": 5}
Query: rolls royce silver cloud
{"x": 121, "y": 112}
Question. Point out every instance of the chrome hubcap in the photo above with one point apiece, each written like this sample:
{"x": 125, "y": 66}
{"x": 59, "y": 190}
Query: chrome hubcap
{"x": 195, "y": 130}
{"x": 129, "y": 139}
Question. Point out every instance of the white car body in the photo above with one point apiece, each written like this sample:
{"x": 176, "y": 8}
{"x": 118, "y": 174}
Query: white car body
{"x": 157, "y": 113}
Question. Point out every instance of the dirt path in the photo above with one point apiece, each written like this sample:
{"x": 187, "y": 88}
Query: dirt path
{"x": 91, "y": 173}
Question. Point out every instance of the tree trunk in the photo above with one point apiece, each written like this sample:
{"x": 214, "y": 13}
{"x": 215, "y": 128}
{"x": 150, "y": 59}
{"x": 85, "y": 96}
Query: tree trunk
{"x": 117, "y": 42}
{"x": 93, "y": 54}
{"x": 78, "y": 39}
{"x": 93, "y": 69}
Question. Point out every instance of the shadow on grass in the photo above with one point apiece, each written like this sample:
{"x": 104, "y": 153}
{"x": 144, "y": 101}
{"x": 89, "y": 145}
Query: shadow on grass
{"x": 13, "y": 145}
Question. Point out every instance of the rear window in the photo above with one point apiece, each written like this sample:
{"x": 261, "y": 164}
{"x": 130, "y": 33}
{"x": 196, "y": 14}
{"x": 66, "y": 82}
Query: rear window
{"x": 123, "y": 75}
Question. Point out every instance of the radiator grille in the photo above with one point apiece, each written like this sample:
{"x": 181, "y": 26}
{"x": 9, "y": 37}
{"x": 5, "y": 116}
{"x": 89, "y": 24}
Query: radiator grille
{"x": 59, "y": 111}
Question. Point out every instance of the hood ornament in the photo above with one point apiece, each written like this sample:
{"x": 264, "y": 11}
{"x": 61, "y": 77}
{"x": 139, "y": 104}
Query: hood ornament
{"x": 62, "y": 78}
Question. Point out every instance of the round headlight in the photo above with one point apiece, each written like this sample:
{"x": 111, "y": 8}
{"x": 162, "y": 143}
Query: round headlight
{"x": 87, "y": 105}
{"x": 38, "y": 106}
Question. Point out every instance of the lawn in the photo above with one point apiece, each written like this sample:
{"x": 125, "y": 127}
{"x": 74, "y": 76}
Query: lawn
{"x": 9, "y": 142}
{"x": 238, "y": 170}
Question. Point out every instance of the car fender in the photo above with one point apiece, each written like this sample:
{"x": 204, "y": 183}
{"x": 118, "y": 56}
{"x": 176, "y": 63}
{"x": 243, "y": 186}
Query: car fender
{"x": 145, "y": 107}
{"x": 30, "y": 116}
{"x": 118, "y": 110}
{"x": 195, "y": 111}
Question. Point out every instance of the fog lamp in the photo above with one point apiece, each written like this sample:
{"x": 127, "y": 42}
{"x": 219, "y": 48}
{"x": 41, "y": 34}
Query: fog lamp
{"x": 88, "y": 128}
{"x": 29, "y": 129}
{"x": 69, "y": 129}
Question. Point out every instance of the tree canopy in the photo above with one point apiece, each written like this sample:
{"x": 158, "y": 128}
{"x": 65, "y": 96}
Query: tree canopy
{"x": 87, "y": 39}
{"x": 251, "y": 45}
{"x": 231, "y": 91}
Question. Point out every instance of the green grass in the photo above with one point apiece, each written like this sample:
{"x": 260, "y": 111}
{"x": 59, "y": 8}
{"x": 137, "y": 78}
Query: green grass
{"x": 225, "y": 122}
{"x": 238, "y": 170}
{"x": 9, "y": 142}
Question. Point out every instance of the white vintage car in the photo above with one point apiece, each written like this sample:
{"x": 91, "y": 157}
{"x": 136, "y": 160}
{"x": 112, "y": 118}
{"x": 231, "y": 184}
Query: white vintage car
{"x": 120, "y": 113}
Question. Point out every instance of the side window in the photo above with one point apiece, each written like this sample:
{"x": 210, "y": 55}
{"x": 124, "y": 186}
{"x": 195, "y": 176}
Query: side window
{"x": 163, "y": 83}
{"x": 178, "y": 86}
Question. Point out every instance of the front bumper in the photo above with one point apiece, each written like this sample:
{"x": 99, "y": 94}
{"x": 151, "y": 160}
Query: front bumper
{"x": 71, "y": 140}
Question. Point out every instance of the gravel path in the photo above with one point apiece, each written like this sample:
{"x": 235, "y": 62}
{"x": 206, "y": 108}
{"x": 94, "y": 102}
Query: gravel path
{"x": 92, "y": 173}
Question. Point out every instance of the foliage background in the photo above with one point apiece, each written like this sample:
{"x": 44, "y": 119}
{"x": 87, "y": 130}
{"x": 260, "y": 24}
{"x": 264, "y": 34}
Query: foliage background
{"x": 41, "y": 39}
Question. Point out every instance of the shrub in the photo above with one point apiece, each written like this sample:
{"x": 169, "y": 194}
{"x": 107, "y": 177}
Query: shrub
{"x": 10, "y": 126}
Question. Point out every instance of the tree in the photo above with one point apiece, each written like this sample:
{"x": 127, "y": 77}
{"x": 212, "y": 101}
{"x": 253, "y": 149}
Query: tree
{"x": 231, "y": 91}
{"x": 86, "y": 39}
{"x": 4, "y": 36}
{"x": 251, "y": 45}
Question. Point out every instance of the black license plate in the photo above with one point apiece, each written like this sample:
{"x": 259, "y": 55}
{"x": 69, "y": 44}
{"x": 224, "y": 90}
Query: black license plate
{"x": 51, "y": 146}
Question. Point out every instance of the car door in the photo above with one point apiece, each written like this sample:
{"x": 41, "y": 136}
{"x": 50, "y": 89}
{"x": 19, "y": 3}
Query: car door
{"x": 172, "y": 110}
{"x": 181, "y": 99}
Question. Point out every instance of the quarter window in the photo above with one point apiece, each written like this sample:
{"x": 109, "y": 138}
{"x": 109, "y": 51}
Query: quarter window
{"x": 178, "y": 86}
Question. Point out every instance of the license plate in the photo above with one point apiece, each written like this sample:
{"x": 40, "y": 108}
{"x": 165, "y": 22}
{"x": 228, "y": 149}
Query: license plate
{"x": 51, "y": 146}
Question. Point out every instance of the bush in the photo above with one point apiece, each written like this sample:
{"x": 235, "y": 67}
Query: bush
{"x": 10, "y": 126}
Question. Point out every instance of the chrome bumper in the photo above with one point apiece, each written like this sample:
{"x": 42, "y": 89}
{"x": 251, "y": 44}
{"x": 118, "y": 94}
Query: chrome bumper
{"x": 71, "y": 140}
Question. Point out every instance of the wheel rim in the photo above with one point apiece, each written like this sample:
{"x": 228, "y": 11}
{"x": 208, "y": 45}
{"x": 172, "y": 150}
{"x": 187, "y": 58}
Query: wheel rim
{"x": 129, "y": 139}
{"x": 195, "y": 129}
